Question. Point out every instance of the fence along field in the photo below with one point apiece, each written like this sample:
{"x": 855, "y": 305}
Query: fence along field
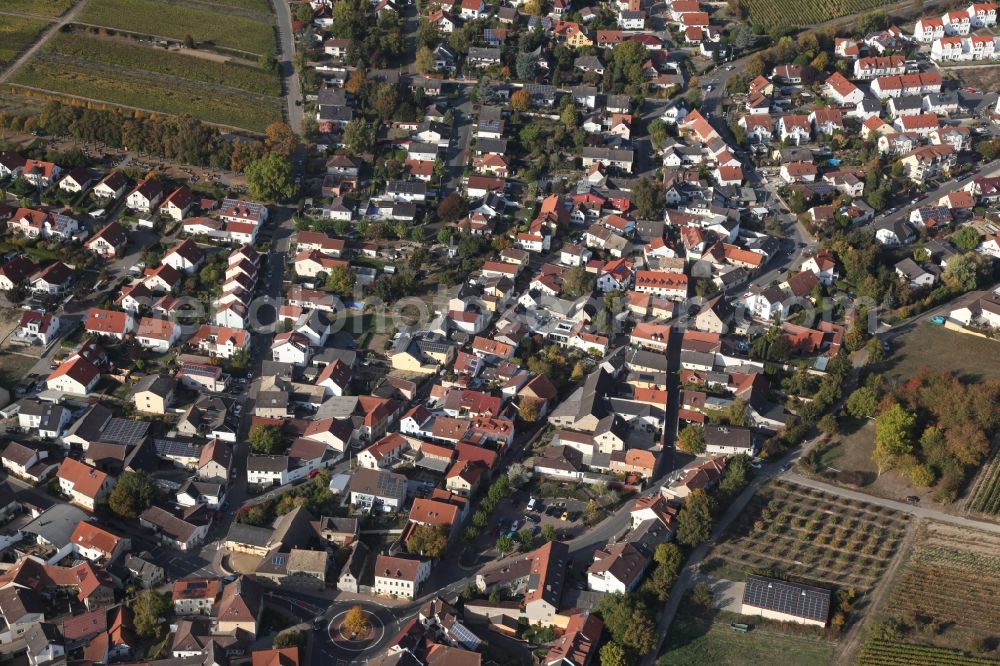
{"x": 16, "y": 35}
{"x": 111, "y": 51}
{"x": 805, "y": 534}
{"x": 772, "y": 13}
{"x": 175, "y": 20}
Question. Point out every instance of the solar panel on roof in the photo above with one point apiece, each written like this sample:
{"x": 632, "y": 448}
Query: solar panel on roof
{"x": 464, "y": 636}
{"x": 124, "y": 431}
{"x": 789, "y": 598}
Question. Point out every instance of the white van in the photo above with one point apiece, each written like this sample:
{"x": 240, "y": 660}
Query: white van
{"x": 531, "y": 503}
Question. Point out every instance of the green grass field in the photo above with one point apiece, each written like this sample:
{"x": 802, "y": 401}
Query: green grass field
{"x": 40, "y": 7}
{"x": 143, "y": 90}
{"x": 770, "y": 13}
{"x": 969, "y": 357}
{"x": 697, "y": 641}
{"x": 152, "y": 17}
{"x": 17, "y": 34}
{"x": 150, "y": 59}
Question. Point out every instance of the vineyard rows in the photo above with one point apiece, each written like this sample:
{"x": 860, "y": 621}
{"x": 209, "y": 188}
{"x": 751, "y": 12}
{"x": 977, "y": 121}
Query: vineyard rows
{"x": 888, "y": 653}
{"x": 977, "y": 563}
{"x": 772, "y": 13}
{"x": 987, "y": 497}
{"x": 964, "y": 598}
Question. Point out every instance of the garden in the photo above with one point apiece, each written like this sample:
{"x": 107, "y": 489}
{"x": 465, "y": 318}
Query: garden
{"x": 792, "y": 532}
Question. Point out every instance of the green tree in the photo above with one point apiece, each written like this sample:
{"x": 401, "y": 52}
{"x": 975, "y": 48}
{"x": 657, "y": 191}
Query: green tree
{"x": 962, "y": 272}
{"x": 504, "y": 545}
{"x": 265, "y": 440}
{"x": 613, "y": 654}
{"x": 691, "y": 440}
{"x": 569, "y": 116}
{"x": 524, "y": 65}
{"x": 148, "y": 609}
{"x": 640, "y": 635}
{"x": 341, "y": 280}
{"x": 668, "y": 556}
{"x": 270, "y": 178}
{"x": 893, "y": 436}
{"x": 578, "y": 282}
{"x": 427, "y": 541}
{"x": 966, "y": 239}
{"x": 649, "y": 198}
{"x": 694, "y": 523}
{"x": 701, "y": 596}
{"x": 384, "y": 100}
{"x": 133, "y": 493}
{"x": 658, "y": 131}
{"x": 875, "y": 351}
{"x": 862, "y": 402}
{"x": 527, "y": 538}
{"x": 359, "y": 136}
{"x": 549, "y": 533}
{"x": 290, "y": 639}
{"x": 828, "y": 425}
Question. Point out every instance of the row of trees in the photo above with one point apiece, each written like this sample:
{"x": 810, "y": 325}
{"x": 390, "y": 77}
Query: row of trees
{"x": 181, "y": 138}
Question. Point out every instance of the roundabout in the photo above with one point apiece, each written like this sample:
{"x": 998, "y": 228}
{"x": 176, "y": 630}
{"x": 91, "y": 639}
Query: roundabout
{"x": 347, "y": 635}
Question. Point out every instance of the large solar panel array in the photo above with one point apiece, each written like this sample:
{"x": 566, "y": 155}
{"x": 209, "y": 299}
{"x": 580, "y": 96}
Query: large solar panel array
{"x": 784, "y": 597}
{"x": 124, "y": 431}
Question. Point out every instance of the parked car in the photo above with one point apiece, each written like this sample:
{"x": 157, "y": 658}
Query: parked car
{"x": 912, "y": 499}
{"x": 564, "y": 516}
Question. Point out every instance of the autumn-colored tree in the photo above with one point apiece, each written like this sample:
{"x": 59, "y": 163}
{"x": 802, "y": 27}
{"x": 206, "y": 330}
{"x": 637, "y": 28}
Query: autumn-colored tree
{"x": 967, "y": 443}
{"x": 451, "y": 208}
{"x": 356, "y": 622}
{"x": 520, "y": 100}
{"x": 355, "y": 81}
{"x": 691, "y": 440}
{"x": 530, "y": 409}
{"x": 279, "y": 138}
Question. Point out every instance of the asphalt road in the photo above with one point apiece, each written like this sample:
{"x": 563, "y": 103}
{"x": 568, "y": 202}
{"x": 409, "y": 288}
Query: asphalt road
{"x": 286, "y": 67}
{"x": 457, "y": 155}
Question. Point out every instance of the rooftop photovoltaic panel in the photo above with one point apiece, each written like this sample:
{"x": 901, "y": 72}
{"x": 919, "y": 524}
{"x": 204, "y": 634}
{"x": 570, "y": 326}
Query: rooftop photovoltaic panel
{"x": 785, "y": 597}
{"x": 124, "y": 431}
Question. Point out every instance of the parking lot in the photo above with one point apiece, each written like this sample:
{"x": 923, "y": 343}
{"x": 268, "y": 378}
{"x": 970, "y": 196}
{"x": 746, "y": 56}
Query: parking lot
{"x": 564, "y": 515}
